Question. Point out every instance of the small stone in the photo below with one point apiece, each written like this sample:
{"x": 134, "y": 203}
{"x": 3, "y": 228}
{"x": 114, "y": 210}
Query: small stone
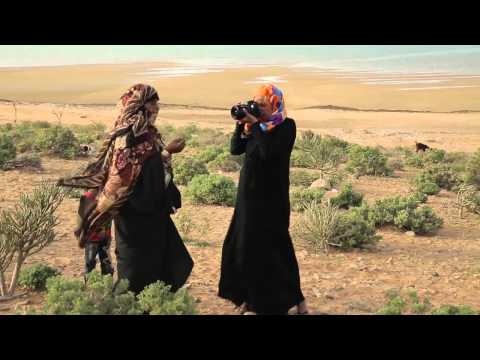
{"x": 436, "y": 274}
{"x": 410, "y": 233}
{"x": 198, "y": 301}
{"x": 329, "y": 297}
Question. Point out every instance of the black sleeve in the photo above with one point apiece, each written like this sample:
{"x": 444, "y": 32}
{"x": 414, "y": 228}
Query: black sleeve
{"x": 237, "y": 143}
{"x": 275, "y": 144}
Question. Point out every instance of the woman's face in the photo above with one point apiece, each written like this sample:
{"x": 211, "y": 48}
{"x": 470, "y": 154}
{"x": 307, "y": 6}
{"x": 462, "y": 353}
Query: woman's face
{"x": 265, "y": 107}
{"x": 152, "y": 106}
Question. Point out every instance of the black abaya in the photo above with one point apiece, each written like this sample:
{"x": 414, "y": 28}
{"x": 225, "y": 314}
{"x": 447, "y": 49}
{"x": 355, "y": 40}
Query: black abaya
{"x": 259, "y": 266}
{"x": 149, "y": 247}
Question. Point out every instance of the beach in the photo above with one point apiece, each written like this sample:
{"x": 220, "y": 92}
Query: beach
{"x": 331, "y": 103}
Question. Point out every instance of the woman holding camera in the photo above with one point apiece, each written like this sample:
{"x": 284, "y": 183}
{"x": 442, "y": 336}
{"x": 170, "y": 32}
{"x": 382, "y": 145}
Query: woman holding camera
{"x": 131, "y": 181}
{"x": 259, "y": 270}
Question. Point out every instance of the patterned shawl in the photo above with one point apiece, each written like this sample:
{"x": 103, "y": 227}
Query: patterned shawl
{"x": 113, "y": 174}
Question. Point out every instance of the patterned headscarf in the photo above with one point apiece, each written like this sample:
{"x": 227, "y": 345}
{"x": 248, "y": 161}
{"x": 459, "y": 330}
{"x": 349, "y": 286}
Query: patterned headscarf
{"x": 115, "y": 171}
{"x": 274, "y": 96}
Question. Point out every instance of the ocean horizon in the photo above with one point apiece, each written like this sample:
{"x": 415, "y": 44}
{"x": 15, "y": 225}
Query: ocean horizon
{"x": 396, "y": 59}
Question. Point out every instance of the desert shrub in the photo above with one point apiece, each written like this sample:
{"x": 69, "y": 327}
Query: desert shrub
{"x": 99, "y": 296}
{"x": 395, "y": 164}
{"x": 323, "y": 225}
{"x": 467, "y": 198}
{"x": 299, "y": 159}
{"x": 422, "y": 220}
{"x": 443, "y": 175}
{"x": 7, "y": 149}
{"x": 22, "y": 161}
{"x": 318, "y": 224}
{"x": 212, "y": 190}
{"x": 225, "y": 162}
{"x": 157, "y": 299}
{"x": 302, "y": 178}
{"x": 26, "y": 229}
{"x": 206, "y": 137}
{"x": 404, "y": 212}
{"x": 398, "y": 304}
{"x": 58, "y": 141}
{"x": 415, "y": 160}
{"x": 457, "y": 161}
{"x": 336, "y": 179}
{"x": 89, "y": 134}
{"x": 473, "y": 170}
{"x": 347, "y": 198}
{"x": 367, "y": 161}
{"x": 35, "y": 277}
{"x": 314, "y": 152}
{"x": 385, "y": 210}
{"x": 210, "y": 153}
{"x": 299, "y": 197}
{"x": 185, "y": 168}
{"x": 430, "y": 156}
{"x": 355, "y": 231}
{"x": 425, "y": 183}
{"x": 419, "y": 197}
{"x": 455, "y": 310}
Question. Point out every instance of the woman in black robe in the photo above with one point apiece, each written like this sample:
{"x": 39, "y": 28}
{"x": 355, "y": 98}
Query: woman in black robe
{"x": 259, "y": 270}
{"x": 133, "y": 184}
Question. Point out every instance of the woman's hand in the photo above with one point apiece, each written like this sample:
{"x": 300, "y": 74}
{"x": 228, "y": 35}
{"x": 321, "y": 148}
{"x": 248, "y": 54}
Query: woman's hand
{"x": 177, "y": 145}
{"x": 248, "y": 119}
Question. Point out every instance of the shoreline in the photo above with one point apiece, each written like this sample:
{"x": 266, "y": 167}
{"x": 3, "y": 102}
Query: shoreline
{"x": 206, "y": 107}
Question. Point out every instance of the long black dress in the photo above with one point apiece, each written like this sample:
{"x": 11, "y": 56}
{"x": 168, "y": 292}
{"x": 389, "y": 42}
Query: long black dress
{"x": 149, "y": 247}
{"x": 259, "y": 266}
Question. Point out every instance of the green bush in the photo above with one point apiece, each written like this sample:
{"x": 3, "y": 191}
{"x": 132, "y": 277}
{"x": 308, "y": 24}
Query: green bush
{"x": 473, "y": 170}
{"x": 422, "y": 221}
{"x": 443, "y": 175}
{"x": 89, "y": 134}
{"x": 99, "y": 296}
{"x": 395, "y": 164}
{"x": 425, "y": 183}
{"x": 58, "y": 140}
{"x": 404, "y": 213}
{"x": 212, "y": 190}
{"x": 225, "y": 162}
{"x": 367, "y": 161}
{"x": 157, "y": 299}
{"x": 302, "y": 178}
{"x": 415, "y": 160}
{"x": 336, "y": 179}
{"x": 354, "y": 231}
{"x": 210, "y": 153}
{"x": 422, "y": 159}
{"x": 299, "y": 197}
{"x": 455, "y": 310}
{"x": 314, "y": 152}
{"x": 419, "y": 197}
{"x": 323, "y": 226}
{"x": 7, "y": 149}
{"x": 35, "y": 277}
{"x": 185, "y": 168}
{"x": 347, "y": 198}
{"x": 208, "y": 137}
{"x": 397, "y": 304}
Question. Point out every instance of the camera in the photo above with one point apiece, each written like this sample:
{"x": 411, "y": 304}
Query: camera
{"x": 239, "y": 111}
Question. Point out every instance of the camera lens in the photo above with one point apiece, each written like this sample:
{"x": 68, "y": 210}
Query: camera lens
{"x": 237, "y": 112}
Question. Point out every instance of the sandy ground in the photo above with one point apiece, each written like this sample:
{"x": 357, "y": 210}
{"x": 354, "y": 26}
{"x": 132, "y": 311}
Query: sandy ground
{"x": 444, "y": 267}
